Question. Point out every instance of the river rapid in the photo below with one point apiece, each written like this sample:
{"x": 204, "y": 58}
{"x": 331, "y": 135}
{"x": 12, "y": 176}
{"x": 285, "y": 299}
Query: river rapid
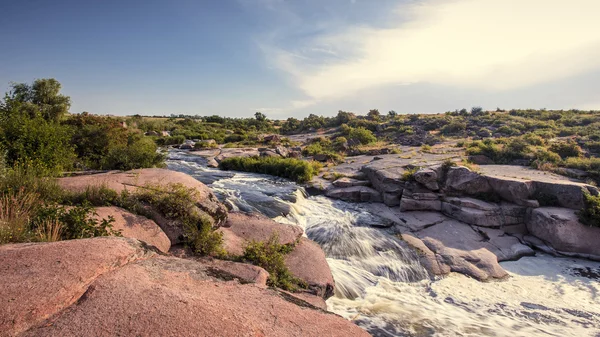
{"x": 382, "y": 287}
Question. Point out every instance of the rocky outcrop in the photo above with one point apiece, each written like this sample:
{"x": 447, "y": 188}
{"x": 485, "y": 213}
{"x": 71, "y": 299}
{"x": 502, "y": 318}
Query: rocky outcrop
{"x": 114, "y": 286}
{"x": 135, "y": 179}
{"x": 349, "y": 182}
{"x": 560, "y": 229}
{"x": 39, "y": 280}
{"x": 135, "y": 226}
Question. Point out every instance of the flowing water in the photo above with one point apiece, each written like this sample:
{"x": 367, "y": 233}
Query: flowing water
{"x": 382, "y": 287}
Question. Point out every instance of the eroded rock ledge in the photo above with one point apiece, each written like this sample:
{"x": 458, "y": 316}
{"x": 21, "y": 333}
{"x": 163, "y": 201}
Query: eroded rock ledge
{"x": 465, "y": 221}
{"x": 117, "y": 286}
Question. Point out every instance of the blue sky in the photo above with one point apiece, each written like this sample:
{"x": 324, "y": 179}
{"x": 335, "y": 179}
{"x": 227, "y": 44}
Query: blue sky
{"x": 295, "y": 57}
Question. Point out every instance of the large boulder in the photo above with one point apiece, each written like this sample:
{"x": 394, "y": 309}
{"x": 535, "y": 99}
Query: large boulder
{"x": 428, "y": 178}
{"x": 307, "y": 262}
{"x": 132, "y": 180}
{"x": 349, "y": 182}
{"x": 242, "y": 228}
{"x": 385, "y": 177}
{"x": 514, "y": 190}
{"x": 41, "y": 279}
{"x": 562, "y": 194}
{"x": 461, "y": 179}
{"x": 282, "y": 151}
{"x": 561, "y": 229}
{"x": 161, "y": 296}
{"x": 135, "y": 226}
{"x": 416, "y": 201}
{"x": 236, "y": 152}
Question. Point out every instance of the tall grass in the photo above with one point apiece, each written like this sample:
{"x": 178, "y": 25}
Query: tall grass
{"x": 16, "y": 210}
{"x": 295, "y": 169}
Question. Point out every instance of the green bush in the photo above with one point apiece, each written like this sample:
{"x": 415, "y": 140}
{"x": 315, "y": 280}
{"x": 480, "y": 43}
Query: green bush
{"x": 566, "y": 149}
{"x": 138, "y": 152}
{"x": 77, "y": 222}
{"x": 363, "y": 135}
{"x": 454, "y": 128}
{"x": 295, "y": 169}
{"x": 590, "y": 214}
{"x": 270, "y": 255}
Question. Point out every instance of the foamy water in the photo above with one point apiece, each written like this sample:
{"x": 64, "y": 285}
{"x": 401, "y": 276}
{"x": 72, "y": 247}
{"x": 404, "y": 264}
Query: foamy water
{"x": 382, "y": 287}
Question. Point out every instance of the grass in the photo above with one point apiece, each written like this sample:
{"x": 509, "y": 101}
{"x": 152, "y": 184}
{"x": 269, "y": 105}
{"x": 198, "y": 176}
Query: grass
{"x": 16, "y": 210}
{"x": 409, "y": 174}
{"x": 298, "y": 170}
{"x": 270, "y": 255}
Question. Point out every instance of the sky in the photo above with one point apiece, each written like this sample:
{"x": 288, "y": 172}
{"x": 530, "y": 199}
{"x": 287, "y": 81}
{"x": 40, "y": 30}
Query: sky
{"x": 291, "y": 58}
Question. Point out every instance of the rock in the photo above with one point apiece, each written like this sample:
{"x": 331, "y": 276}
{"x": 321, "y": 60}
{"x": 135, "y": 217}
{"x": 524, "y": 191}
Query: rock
{"x": 166, "y": 296}
{"x": 507, "y": 247}
{"x": 561, "y": 229}
{"x": 282, "y": 151}
{"x": 42, "y": 279}
{"x": 307, "y": 262}
{"x": 480, "y": 159}
{"x": 418, "y": 220}
{"x": 295, "y": 154}
{"x": 391, "y": 199}
{"x": 132, "y": 180}
{"x": 349, "y": 182}
{"x": 462, "y": 249}
{"x": 136, "y": 227}
{"x": 514, "y": 190}
{"x": 428, "y": 178}
{"x": 355, "y": 194}
{"x": 461, "y": 179}
{"x": 269, "y": 153}
{"x": 211, "y": 162}
{"x": 321, "y": 157}
{"x": 385, "y": 179}
{"x": 427, "y": 258}
{"x": 236, "y": 152}
{"x": 318, "y": 186}
{"x": 409, "y": 204}
{"x": 241, "y": 228}
{"x": 245, "y": 273}
{"x": 569, "y": 195}
{"x": 187, "y": 146}
{"x": 483, "y": 214}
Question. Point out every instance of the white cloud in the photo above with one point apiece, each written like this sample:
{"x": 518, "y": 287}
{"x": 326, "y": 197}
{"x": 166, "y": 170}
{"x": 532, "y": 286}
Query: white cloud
{"x": 486, "y": 44}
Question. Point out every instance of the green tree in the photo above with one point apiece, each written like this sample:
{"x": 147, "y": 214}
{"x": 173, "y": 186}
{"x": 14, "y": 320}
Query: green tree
{"x": 42, "y": 98}
{"x": 373, "y": 114}
{"x": 260, "y": 116}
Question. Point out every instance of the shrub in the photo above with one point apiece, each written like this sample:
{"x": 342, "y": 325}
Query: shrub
{"x": 78, "y": 222}
{"x": 270, "y": 255}
{"x": 138, "y": 152}
{"x": 590, "y": 214}
{"x": 296, "y": 169}
{"x": 363, "y": 135}
{"x": 409, "y": 174}
{"x": 566, "y": 149}
{"x": 177, "y": 202}
{"x": 454, "y": 128}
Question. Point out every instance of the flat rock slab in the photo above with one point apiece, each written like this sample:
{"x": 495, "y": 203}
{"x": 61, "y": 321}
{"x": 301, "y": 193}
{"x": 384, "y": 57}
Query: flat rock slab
{"x": 462, "y": 249}
{"x": 136, "y": 227}
{"x": 242, "y": 228}
{"x": 236, "y": 152}
{"x": 307, "y": 262}
{"x": 174, "y": 297}
{"x": 41, "y": 279}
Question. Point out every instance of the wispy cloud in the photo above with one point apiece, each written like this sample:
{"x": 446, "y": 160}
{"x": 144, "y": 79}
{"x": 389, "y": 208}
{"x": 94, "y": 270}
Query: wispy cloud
{"x": 485, "y": 44}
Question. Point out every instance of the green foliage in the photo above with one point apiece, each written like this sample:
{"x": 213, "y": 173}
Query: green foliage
{"x": 454, "y": 128}
{"x": 137, "y": 152}
{"x": 31, "y": 178}
{"x": 590, "y": 214}
{"x": 78, "y": 222}
{"x": 566, "y": 149}
{"x": 295, "y": 169}
{"x": 270, "y": 255}
{"x": 363, "y": 135}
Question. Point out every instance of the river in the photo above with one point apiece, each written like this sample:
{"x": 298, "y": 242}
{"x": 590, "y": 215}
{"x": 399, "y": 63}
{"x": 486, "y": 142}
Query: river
{"x": 382, "y": 287}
